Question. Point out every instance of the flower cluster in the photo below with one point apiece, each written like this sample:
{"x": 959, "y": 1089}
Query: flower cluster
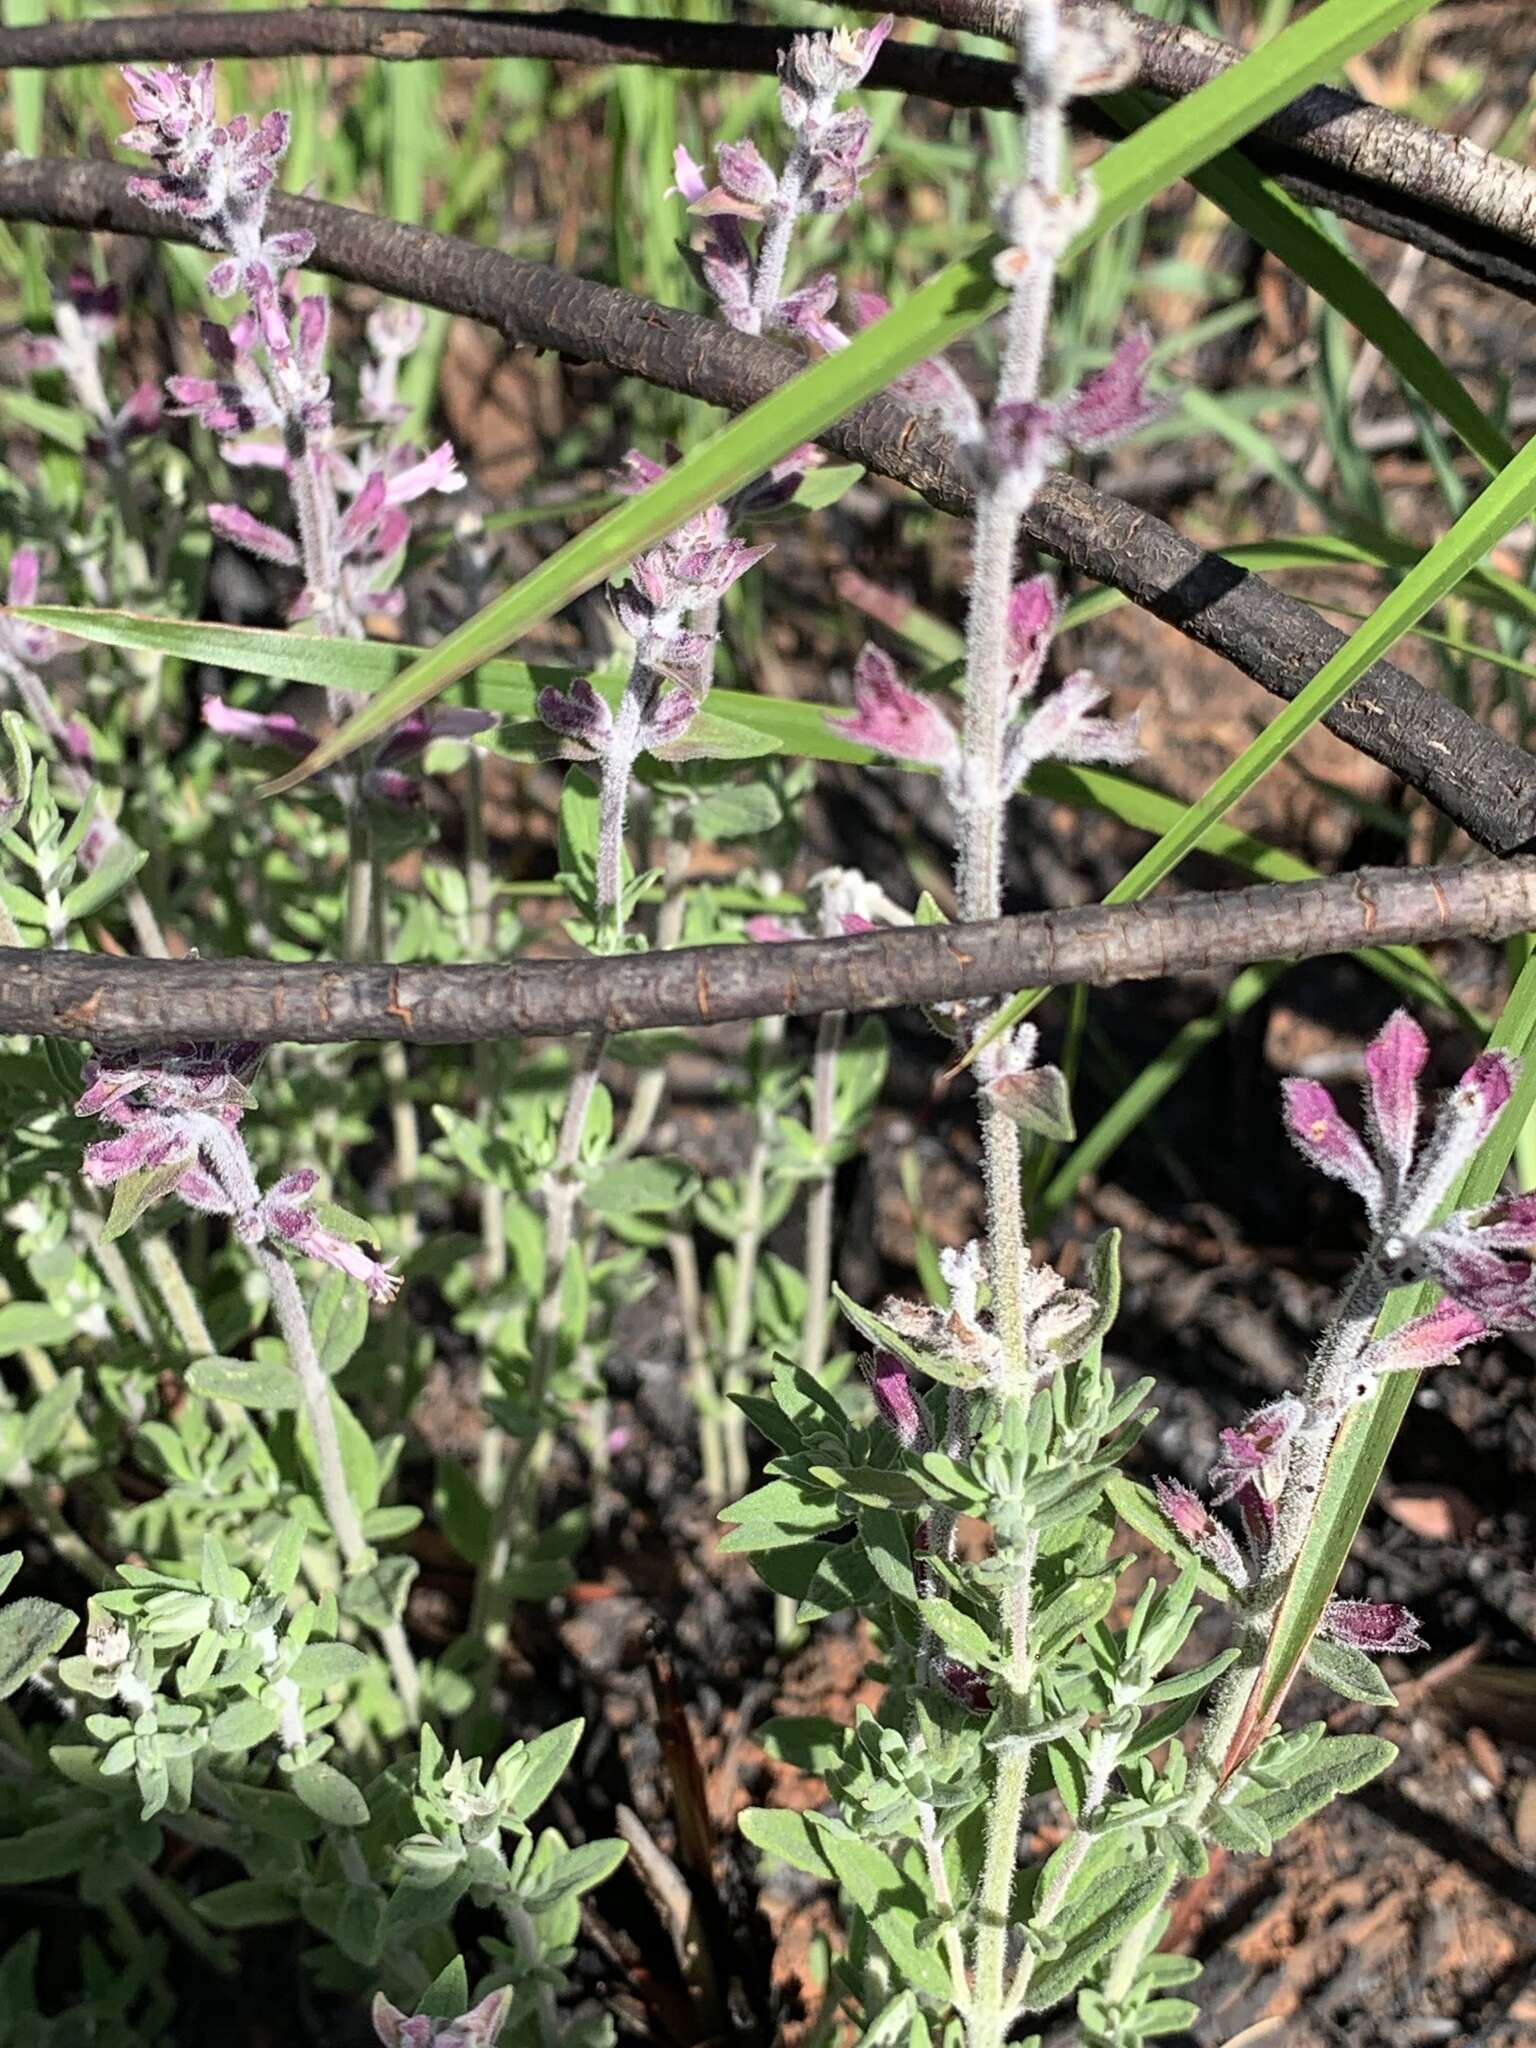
{"x": 820, "y": 175}
{"x": 1479, "y": 1256}
{"x": 849, "y": 905}
{"x": 669, "y": 607}
{"x": 177, "y": 1112}
{"x": 1065, "y": 726}
{"x": 269, "y": 398}
{"x": 1250, "y": 1472}
{"x": 479, "y": 2028}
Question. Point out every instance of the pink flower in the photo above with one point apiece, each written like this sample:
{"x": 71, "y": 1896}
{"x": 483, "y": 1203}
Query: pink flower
{"x": 1065, "y": 727}
{"x": 899, "y": 1407}
{"x": 234, "y": 524}
{"x": 1380, "y": 1628}
{"x": 1317, "y": 1129}
{"x": 1113, "y": 403}
{"x": 1427, "y": 1341}
{"x": 286, "y": 1214}
{"x": 767, "y": 930}
{"x": 1258, "y": 1452}
{"x": 1188, "y": 1516}
{"x": 1394, "y": 1061}
{"x": 893, "y": 719}
{"x": 256, "y": 728}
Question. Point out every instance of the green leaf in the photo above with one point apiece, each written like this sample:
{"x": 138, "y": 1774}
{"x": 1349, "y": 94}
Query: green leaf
{"x": 136, "y": 1192}
{"x": 1181, "y": 138}
{"x": 1350, "y": 1672}
{"x": 336, "y": 1800}
{"x": 958, "y": 1632}
{"x": 780, "y": 1512}
{"x": 245, "y": 1725}
{"x": 321, "y": 1665}
{"x": 247, "y": 1903}
{"x": 543, "y": 1763}
{"x": 252, "y": 1382}
{"x": 56, "y": 1849}
{"x": 578, "y": 1870}
{"x": 1332, "y": 1767}
{"x": 27, "y": 1323}
{"x": 339, "y": 1318}
{"x": 31, "y": 1631}
{"x": 1109, "y": 1895}
{"x": 46, "y": 1420}
{"x": 638, "y": 1187}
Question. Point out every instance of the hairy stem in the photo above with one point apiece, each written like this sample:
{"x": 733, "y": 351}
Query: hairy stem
{"x": 819, "y": 1206}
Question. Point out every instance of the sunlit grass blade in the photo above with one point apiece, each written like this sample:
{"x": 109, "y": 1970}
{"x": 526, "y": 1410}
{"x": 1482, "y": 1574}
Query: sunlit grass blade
{"x": 1360, "y": 1454}
{"x": 1180, "y": 139}
{"x": 1505, "y": 502}
{"x": 509, "y": 689}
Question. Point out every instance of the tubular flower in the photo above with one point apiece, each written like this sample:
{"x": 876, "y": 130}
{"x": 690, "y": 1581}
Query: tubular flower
{"x": 1480, "y": 1256}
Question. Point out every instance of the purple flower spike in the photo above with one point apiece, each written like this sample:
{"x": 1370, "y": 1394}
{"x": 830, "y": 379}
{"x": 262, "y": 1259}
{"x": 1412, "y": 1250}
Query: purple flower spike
{"x": 1189, "y": 1517}
{"x": 1114, "y": 403}
{"x": 893, "y": 719}
{"x": 1394, "y": 1061}
{"x": 1259, "y": 1452}
{"x": 1381, "y": 1628}
{"x": 1316, "y": 1127}
{"x": 899, "y": 1407}
{"x": 578, "y": 713}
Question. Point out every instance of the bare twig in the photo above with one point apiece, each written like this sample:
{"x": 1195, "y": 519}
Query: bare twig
{"x": 118, "y": 1002}
{"x": 1436, "y": 192}
{"x": 1479, "y": 781}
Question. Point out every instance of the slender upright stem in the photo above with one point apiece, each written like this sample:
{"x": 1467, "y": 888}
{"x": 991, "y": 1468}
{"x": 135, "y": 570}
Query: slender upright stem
{"x": 745, "y": 1249}
{"x": 820, "y": 1203}
{"x": 1000, "y": 508}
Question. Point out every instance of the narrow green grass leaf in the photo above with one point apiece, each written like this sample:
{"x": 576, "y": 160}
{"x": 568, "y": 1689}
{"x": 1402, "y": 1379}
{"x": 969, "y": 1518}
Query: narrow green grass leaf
{"x": 1291, "y": 231}
{"x": 509, "y": 689}
{"x": 1179, "y": 140}
{"x": 1359, "y": 1457}
{"x": 1503, "y": 504}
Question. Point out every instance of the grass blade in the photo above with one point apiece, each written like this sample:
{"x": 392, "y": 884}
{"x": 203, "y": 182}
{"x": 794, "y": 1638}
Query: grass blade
{"x": 1291, "y": 232}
